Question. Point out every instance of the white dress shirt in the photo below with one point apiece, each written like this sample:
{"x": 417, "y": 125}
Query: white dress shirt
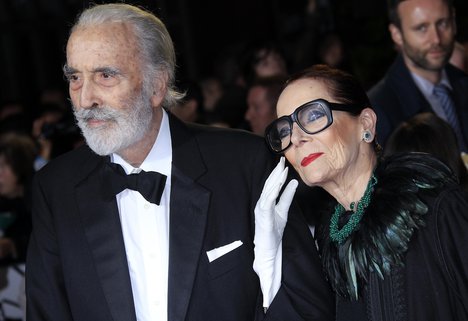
{"x": 145, "y": 228}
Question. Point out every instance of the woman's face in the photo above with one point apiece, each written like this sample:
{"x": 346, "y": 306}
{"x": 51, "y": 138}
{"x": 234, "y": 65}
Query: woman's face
{"x": 9, "y": 186}
{"x": 323, "y": 157}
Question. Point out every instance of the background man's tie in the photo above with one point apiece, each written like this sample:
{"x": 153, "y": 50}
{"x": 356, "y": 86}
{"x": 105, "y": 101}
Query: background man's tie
{"x": 447, "y": 104}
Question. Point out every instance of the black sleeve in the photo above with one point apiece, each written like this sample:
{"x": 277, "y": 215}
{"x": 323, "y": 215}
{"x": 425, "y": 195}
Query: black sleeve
{"x": 451, "y": 210}
{"x": 304, "y": 293}
{"x": 45, "y": 290}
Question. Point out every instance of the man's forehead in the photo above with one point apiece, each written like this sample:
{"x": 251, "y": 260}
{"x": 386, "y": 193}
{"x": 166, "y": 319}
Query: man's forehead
{"x": 422, "y": 8}
{"x": 114, "y": 33}
{"x": 100, "y": 47}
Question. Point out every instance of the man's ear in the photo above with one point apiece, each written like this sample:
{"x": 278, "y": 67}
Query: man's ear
{"x": 159, "y": 90}
{"x": 395, "y": 32}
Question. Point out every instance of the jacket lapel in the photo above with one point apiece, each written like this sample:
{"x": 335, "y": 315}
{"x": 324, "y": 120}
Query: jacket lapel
{"x": 102, "y": 227}
{"x": 408, "y": 93}
{"x": 188, "y": 217}
{"x": 459, "y": 82}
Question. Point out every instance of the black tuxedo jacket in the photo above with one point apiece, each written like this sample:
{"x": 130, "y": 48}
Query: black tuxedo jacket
{"x": 77, "y": 267}
{"x": 396, "y": 98}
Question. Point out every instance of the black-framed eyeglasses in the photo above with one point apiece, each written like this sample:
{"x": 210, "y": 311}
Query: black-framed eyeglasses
{"x": 312, "y": 117}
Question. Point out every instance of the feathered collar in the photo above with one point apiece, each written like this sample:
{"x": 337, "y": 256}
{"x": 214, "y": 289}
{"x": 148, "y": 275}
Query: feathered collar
{"x": 382, "y": 237}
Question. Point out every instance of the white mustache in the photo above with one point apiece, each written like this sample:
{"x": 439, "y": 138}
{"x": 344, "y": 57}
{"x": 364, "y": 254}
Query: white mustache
{"x": 104, "y": 113}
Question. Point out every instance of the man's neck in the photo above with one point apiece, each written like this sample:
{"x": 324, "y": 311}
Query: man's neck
{"x": 433, "y": 76}
{"x": 137, "y": 152}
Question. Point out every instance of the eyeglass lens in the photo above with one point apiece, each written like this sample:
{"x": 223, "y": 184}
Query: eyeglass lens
{"x": 311, "y": 118}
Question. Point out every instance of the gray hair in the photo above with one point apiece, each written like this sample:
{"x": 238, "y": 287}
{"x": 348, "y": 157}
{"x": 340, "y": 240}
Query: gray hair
{"x": 155, "y": 43}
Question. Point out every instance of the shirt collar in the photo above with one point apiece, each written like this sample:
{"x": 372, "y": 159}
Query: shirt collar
{"x": 426, "y": 86}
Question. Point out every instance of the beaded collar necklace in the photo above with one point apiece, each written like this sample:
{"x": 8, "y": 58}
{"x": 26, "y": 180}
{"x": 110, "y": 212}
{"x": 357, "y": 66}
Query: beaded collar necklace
{"x": 339, "y": 236}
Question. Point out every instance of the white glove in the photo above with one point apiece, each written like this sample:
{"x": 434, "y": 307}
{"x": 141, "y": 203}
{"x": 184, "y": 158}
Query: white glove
{"x": 270, "y": 221}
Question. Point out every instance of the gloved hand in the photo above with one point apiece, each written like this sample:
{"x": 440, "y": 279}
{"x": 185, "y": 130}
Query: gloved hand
{"x": 270, "y": 221}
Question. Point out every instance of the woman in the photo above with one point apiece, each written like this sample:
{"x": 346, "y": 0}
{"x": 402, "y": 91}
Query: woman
{"x": 394, "y": 243}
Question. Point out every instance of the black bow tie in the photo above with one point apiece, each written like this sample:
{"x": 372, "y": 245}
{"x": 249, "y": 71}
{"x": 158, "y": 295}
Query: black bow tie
{"x": 149, "y": 184}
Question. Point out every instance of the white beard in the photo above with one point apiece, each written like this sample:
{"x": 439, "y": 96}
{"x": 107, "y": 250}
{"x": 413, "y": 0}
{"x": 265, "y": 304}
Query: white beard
{"x": 124, "y": 126}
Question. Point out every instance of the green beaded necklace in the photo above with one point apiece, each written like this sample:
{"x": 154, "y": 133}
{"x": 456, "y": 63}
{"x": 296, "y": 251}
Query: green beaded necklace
{"x": 339, "y": 236}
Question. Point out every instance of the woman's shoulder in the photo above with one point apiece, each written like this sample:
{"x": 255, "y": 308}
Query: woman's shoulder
{"x": 410, "y": 185}
{"x": 418, "y": 190}
{"x": 416, "y": 171}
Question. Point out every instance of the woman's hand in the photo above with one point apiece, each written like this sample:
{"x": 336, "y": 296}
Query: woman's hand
{"x": 270, "y": 221}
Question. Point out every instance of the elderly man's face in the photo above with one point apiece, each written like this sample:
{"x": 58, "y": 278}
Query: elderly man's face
{"x": 106, "y": 86}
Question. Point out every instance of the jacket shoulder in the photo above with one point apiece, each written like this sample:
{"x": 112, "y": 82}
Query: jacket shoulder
{"x": 68, "y": 165}
{"x": 386, "y": 91}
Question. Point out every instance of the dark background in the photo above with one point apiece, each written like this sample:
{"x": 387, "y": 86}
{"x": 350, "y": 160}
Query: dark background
{"x": 33, "y": 35}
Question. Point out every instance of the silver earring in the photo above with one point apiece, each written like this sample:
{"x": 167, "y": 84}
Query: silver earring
{"x": 367, "y": 136}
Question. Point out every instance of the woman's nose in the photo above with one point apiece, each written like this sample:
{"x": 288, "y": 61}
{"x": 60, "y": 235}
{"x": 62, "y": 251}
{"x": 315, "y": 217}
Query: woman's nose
{"x": 298, "y": 136}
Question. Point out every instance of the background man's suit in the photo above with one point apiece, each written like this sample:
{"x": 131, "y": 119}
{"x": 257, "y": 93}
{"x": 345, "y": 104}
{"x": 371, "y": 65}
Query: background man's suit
{"x": 396, "y": 98}
{"x": 78, "y": 269}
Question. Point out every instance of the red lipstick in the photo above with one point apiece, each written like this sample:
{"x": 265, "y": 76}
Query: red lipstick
{"x": 309, "y": 159}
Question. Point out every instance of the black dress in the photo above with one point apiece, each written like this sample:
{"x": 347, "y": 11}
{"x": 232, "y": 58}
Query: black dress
{"x": 409, "y": 252}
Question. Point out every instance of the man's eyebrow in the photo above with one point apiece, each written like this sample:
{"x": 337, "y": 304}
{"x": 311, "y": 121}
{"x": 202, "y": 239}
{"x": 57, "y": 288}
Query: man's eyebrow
{"x": 67, "y": 70}
{"x": 108, "y": 70}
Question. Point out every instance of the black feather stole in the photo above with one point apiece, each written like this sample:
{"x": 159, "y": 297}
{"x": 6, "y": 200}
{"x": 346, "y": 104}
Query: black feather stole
{"x": 382, "y": 237}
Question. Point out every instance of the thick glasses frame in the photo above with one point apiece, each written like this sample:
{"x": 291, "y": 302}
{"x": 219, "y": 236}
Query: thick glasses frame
{"x": 292, "y": 118}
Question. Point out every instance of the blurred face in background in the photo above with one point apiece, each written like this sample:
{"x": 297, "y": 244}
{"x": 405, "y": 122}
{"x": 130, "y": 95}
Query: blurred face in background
{"x": 270, "y": 63}
{"x": 212, "y": 91}
{"x": 260, "y": 112}
{"x": 427, "y": 34}
{"x": 9, "y": 185}
{"x": 459, "y": 57}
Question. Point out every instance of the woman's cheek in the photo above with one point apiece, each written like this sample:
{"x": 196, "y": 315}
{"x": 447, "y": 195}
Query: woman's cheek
{"x": 291, "y": 157}
{"x": 337, "y": 155}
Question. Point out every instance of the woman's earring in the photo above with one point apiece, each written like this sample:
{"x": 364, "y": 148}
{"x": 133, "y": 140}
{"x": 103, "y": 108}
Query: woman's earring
{"x": 367, "y": 136}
